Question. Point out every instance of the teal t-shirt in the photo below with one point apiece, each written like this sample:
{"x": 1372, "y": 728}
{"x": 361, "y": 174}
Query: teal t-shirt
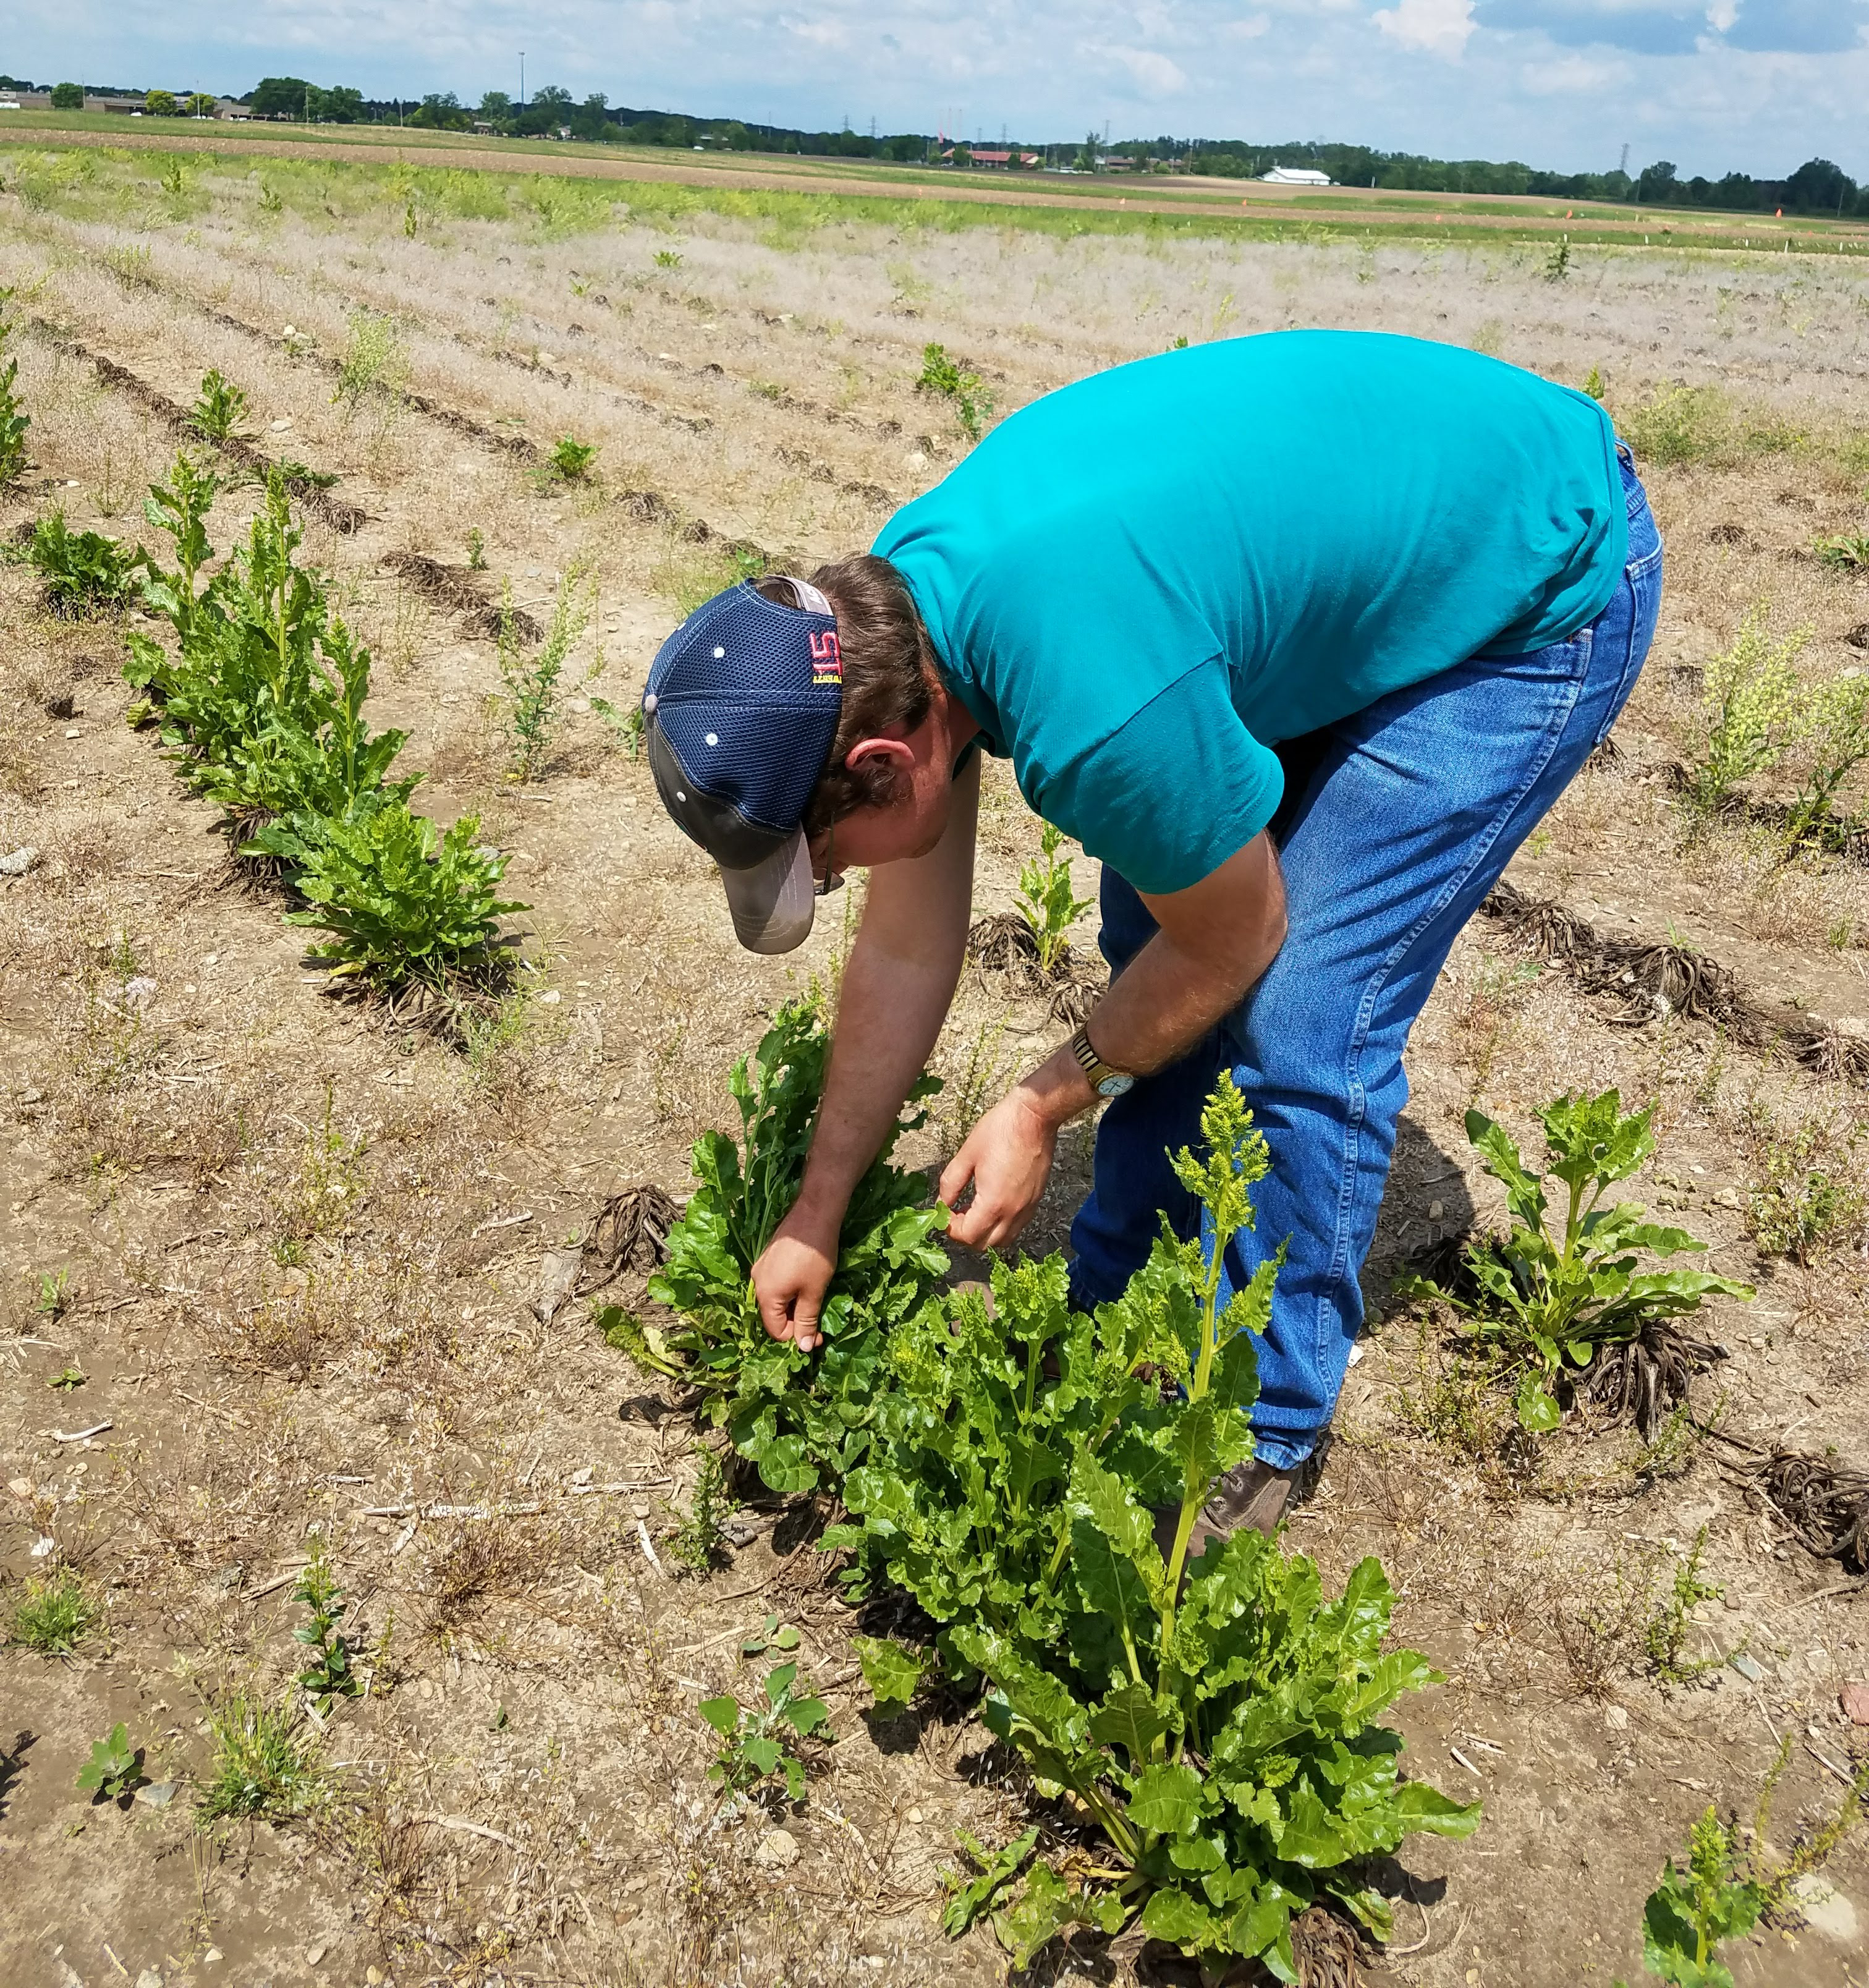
{"x": 1140, "y": 583}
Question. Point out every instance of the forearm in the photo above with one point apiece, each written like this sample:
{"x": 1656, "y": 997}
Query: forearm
{"x": 889, "y": 1018}
{"x": 1193, "y": 971}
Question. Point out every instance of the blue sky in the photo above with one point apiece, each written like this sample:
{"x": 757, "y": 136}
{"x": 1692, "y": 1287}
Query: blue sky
{"x": 1755, "y": 84}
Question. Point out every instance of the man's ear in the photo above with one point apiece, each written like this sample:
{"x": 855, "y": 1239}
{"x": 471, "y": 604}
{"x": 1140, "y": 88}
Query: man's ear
{"x": 897, "y": 751}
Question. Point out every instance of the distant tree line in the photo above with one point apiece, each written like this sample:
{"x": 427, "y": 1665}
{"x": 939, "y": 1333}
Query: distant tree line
{"x": 1818, "y": 186}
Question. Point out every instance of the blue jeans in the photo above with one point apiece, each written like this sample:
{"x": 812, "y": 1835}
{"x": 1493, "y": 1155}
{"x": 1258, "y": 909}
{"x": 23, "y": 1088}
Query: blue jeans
{"x": 1396, "y": 822}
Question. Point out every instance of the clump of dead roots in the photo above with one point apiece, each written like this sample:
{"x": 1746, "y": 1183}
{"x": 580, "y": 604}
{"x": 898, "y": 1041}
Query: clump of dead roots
{"x": 1003, "y": 948}
{"x": 628, "y": 1235}
{"x": 1648, "y": 982}
{"x": 1824, "y": 1502}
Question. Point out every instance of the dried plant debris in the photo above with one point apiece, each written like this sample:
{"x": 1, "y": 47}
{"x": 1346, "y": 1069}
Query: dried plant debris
{"x": 1651, "y": 981}
{"x": 1644, "y": 1380}
{"x": 454, "y": 588}
{"x": 1326, "y": 1947}
{"x": 1824, "y": 1502}
{"x": 1003, "y": 945}
{"x": 308, "y": 489}
{"x": 629, "y": 1234}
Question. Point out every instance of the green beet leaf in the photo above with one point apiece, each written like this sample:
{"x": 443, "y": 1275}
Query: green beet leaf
{"x": 803, "y": 1420}
{"x": 891, "y": 1671}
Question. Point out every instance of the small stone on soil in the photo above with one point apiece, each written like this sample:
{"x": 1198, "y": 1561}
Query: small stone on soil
{"x": 1853, "y": 1700}
{"x": 778, "y": 1849}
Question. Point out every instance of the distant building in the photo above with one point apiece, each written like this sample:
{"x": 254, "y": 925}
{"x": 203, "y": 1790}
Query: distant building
{"x": 1296, "y": 176}
{"x": 26, "y": 100}
{"x": 991, "y": 160}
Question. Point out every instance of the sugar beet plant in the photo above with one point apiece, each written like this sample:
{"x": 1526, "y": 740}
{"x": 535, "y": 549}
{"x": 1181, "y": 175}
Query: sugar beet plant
{"x": 83, "y": 574}
{"x": 261, "y": 708}
{"x": 1215, "y": 1719}
{"x": 1046, "y": 902}
{"x": 1562, "y": 1291}
{"x": 947, "y": 380}
{"x": 801, "y": 1418}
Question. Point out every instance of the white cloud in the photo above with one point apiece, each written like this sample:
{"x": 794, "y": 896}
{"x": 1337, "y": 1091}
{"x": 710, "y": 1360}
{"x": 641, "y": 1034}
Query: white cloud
{"x": 1248, "y": 29}
{"x": 1154, "y": 75}
{"x": 1722, "y": 14}
{"x": 1434, "y": 27}
{"x": 1574, "y": 75}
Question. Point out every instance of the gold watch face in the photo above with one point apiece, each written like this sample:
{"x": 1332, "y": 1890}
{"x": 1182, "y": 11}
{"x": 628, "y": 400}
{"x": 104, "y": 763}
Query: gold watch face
{"x": 1115, "y": 1084}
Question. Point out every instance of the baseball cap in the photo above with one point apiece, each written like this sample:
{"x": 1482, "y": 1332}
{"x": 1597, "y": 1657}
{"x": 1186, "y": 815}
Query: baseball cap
{"x": 740, "y": 713}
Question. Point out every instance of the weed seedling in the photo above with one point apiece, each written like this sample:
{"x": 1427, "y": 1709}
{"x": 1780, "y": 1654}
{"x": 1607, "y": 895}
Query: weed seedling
{"x": 13, "y": 422}
{"x": 631, "y": 726}
{"x": 1557, "y": 264}
{"x": 772, "y": 1635}
{"x": 701, "y": 1536}
{"x": 55, "y": 1288}
{"x": 1754, "y": 708}
{"x": 55, "y": 1614}
{"x": 1045, "y": 899}
{"x": 532, "y": 688}
{"x": 754, "y": 1741}
{"x": 269, "y": 200}
{"x": 327, "y": 1673}
{"x": 1842, "y": 553}
{"x": 943, "y": 378}
{"x": 1544, "y": 1295}
{"x": 668, "y": 259}
{"x": 1594, "y": 384}
{"x": 72, "y": 1376}
{"x": 115, "y": 1769}
{"x": 1665, "y": 1636}
{"x": 263, "y": 1762}
{"x": 476, "y": 550}
{"x": 219, "y": 411}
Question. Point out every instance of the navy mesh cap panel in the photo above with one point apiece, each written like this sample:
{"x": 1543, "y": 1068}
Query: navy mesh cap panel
{"x": 747, "y": 694}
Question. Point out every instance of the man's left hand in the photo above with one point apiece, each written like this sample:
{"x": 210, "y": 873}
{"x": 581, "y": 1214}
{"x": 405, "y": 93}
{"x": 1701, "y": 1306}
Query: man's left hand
{"x": 1006, "y": 1158}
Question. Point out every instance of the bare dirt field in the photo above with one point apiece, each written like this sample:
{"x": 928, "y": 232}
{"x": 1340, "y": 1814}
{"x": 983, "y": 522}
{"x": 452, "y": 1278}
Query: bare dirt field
{"x": 279, "y": 1274}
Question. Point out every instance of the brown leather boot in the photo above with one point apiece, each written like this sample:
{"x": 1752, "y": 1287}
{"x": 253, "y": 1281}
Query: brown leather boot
{"x": 1251, "y": 1494}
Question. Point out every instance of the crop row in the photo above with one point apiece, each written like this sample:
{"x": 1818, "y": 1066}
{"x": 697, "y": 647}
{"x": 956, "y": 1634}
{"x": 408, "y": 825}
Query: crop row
{"x": 259, "y": 704}
{"x": 1204, "y": 1731}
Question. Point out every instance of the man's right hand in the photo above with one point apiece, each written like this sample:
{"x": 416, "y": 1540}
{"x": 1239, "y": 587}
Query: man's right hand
{"x": 792, "y": 1275}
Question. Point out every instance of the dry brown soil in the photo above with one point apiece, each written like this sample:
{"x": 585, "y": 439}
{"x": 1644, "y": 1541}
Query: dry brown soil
{"x": 303, "y": 1249}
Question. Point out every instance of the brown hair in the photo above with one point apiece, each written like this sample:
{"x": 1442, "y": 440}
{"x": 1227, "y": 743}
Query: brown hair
{"x": 889, "y": 678}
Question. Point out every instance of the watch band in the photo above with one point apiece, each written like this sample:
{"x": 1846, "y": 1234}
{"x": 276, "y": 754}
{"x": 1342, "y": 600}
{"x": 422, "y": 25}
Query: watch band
{"x": 1094, "y": 1068}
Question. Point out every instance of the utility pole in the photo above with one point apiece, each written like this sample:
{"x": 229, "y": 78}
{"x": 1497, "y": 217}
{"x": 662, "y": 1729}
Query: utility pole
{"x": 522, "y": 78}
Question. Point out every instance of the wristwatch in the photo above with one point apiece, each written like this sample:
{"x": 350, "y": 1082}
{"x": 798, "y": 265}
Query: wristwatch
{"x": 1106, "y": 1080}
